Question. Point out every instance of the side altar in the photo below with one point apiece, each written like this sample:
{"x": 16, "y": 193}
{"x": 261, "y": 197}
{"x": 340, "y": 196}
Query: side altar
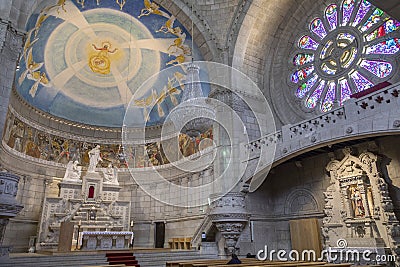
{"x": 90, "y": 200}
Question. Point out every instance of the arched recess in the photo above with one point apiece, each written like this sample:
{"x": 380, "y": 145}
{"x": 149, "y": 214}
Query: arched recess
{"x": 300, "y": 202}
{"x": 264, "y": 28}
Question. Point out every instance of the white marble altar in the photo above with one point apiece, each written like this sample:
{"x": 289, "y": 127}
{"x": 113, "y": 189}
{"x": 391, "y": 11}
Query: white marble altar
{"x": 104, "y": 240}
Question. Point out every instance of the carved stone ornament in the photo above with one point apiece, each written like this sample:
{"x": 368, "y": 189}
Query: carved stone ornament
{"x": 358, "y": 207}
{"x": 229, "y": 215}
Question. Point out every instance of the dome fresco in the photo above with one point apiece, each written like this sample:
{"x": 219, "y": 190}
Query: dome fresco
{"x": 84, "y": 60}
{"x": 348, "y": 48}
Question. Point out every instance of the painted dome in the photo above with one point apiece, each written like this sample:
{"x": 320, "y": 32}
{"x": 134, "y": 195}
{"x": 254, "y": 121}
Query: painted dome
{"x": 84, "y": 61}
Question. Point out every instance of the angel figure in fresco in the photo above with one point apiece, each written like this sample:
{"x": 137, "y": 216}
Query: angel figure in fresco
{"x": 60, "y": 4}
{"x": 179, "y": 43}
{"x": 100, "y": 63}
{"x": 159, "y": 101}
{"x": 357, "y": 202}
{"x": 28, "y": 44}
{"x": 172, "y": 91}
{"x": 177, "y": 61}
{"x": 168, "y": 27}
{"x": 40, "y": 78}
{"x": 151, "y": 8}
{"x": 31, "y": 66}
{"x": 147, "y": 103}
{"x": 41, "y": 18}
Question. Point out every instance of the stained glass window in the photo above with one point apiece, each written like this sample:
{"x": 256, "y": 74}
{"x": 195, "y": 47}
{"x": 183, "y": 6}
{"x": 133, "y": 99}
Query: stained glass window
{"x": 315, "y": 96}
{"x": 301, "y": 74}
{"x": 389, "y": 26}
{"x": 389, "y": 47}
{"x": 301, "y": 59}
{"x": 360, "y": 81}
{"x": 329, "y": 97}
{"x": 307, "y": 42}
{"x": 362, "y": 10}
{"x": 354, "y": 48}
{"x": 318, "y": 28}
{"x": 347, "y": 8}
{"x": 331, "y": 16}
{"x": 345, "y": 91}
{"x": 372, "y": 20}
{"x": 305, "y": 87}
{"x": 380, "y": 69}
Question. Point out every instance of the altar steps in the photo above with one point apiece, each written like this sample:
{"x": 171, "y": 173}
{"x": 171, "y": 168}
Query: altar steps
{"x": 145, "y": 257}
{"x": 38, "y": 260}
{"x": 126, "y": 258}
{"x": 159, "y": 257}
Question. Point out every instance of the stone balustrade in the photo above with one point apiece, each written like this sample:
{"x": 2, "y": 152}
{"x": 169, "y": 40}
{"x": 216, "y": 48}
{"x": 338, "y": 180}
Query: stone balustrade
{"x": 375, "y": 114}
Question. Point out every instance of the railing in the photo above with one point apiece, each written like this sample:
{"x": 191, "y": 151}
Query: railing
{"x": 373, "y": 114}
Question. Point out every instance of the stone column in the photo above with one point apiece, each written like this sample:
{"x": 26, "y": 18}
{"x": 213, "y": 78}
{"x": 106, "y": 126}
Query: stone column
{"x": 10, "y": 48}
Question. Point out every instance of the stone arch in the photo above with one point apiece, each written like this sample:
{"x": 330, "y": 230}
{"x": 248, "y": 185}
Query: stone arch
{"x": 202, "y": 32}
{"x": 301, "y": 201}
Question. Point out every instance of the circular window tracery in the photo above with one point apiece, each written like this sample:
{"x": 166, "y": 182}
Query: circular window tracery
{"x": 349, "y": 49}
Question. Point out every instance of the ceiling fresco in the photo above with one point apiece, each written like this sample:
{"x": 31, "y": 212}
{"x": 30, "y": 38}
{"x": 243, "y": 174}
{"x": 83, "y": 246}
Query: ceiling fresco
{"x": 84, "y": 60}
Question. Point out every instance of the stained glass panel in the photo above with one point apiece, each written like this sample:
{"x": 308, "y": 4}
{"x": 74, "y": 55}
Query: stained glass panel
{"x": 330, "y": 96}
{"x": 345, "y": 92}
{"x": 305, "y": 87}
{"x": 313, "y": 99}
{"x": 328, "y": 70}
{"x": 347, "y": 7}
{"x": 372, "y": 20}
{"x": 362, "y": 10}
{"x": 301, "y": 59}
{"x": 318, "y": 28}
{"x": 389, "y": 26}
{"x": 388, "y": 47}
{"x": 331, "y": 16}
{"x": 307, "y": 42}
{"x": 360, "y": 81}
{"x": 380, "y": 69}
{"x": 301, "y": 74}
{"x": 325, "y": 49}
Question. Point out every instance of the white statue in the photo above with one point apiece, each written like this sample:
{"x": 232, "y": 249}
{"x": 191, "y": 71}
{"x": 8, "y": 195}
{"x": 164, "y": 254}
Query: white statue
{"x": 110, "y": 175}
{"x": 73, "y": 171}
{"x": 94, "y": 158}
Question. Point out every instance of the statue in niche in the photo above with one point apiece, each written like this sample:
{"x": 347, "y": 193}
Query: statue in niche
{"x": 357, "y": 202}
{"x": 73, "y": 171}
{"x": 94, "y": 158}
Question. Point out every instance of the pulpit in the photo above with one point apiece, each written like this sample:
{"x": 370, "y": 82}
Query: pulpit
{"x": 105, "y": 240}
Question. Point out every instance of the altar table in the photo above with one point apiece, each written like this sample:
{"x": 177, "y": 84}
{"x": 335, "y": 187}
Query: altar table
{"x": 105, "y": 240}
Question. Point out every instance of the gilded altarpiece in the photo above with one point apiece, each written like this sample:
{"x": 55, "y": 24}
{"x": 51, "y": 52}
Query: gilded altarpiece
{"x": 359, "y": 211}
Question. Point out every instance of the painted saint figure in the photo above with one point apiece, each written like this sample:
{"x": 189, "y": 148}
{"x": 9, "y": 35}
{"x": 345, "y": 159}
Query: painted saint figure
{"x": 100, "y": 62}
{"x": 94, "y": 158}
{"x": 358, "y": 205}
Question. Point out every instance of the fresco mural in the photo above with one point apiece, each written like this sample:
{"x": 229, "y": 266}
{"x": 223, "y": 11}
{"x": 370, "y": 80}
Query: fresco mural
{"x": 84, "y": 60}
{"x": 38, "y": 144}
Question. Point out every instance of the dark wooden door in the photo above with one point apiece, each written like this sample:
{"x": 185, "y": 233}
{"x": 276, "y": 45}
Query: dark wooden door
{"x": 160, "y": 235}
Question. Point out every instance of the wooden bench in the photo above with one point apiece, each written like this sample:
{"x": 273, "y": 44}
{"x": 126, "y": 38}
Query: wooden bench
{"x": 180, "y": 242}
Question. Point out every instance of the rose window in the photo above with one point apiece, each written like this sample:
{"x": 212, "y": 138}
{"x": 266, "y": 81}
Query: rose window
{"x": 349, "y": 49}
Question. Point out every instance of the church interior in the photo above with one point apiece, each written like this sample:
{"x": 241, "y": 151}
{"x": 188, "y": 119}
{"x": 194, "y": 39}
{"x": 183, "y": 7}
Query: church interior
{"x": 158, "y": 132}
